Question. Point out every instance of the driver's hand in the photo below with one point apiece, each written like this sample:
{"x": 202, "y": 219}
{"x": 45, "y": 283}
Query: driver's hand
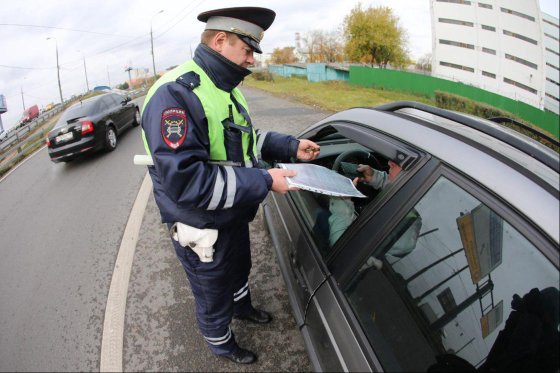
{"x": 367, "y": 171}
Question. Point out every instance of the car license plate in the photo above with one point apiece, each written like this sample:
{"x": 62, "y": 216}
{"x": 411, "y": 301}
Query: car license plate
{"x": 65, "y": 137}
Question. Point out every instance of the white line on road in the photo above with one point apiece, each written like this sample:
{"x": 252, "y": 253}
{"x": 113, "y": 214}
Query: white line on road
{"x": 113, "y": 326}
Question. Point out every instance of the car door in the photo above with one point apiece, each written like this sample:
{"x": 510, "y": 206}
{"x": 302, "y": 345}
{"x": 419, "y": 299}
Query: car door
{"x": 118, "y": 112}
{"x": 305, "y": 243}
{"x": 436, "y": 273}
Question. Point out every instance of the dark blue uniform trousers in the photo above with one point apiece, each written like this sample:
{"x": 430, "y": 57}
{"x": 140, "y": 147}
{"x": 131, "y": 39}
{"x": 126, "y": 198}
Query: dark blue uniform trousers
{"x": 221, "y": 287}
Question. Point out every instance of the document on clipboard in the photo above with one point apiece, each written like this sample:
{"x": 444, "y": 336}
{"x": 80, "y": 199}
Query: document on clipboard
{"x": 320, "y": 179}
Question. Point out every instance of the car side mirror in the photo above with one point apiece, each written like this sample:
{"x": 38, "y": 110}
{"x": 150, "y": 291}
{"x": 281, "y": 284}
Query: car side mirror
{"x": 126, "y": 100}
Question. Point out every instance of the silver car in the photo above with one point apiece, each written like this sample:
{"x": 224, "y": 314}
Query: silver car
{"x": 453, "y": 264}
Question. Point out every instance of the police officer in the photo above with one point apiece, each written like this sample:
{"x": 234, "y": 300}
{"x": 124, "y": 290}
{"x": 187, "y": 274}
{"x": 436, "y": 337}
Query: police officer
{"x": 206, "y": 175}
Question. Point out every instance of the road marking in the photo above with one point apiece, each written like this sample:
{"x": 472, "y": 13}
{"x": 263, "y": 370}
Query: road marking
{"x": 113, "y": 326}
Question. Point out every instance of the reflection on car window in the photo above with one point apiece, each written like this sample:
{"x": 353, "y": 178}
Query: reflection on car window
{"x": 444, "y": 283}
{"x": 327, "y": 217}
{"x": 116, "y": 100}
{"x": 76, "y": 111}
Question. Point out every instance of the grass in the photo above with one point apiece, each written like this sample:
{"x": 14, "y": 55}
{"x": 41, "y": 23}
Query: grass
{"x": 20, "y": 152}
{"x": 331, "y": 95}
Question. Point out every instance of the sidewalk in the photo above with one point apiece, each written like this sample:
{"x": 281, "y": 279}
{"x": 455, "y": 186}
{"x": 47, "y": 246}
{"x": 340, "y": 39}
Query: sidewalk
{"x": 160, "y": 327}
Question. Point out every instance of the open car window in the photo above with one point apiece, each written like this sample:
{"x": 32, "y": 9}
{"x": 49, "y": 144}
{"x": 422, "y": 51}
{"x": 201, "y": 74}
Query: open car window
{"x": 326, "y": 217}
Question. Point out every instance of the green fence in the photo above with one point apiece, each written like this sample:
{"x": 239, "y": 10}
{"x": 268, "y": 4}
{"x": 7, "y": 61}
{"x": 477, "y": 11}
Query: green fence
{"x": 427, "y": 85}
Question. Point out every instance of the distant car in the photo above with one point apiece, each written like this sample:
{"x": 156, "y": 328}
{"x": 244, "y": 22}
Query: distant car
{"x": 3, "y": 136}
{"x": 457, "y": 256}
{"x": 91, "y": 125}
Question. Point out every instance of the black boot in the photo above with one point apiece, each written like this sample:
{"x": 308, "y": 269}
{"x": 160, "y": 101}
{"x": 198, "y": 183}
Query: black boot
{"x": 256, "y": 316}
{"x": 242, "y": 356}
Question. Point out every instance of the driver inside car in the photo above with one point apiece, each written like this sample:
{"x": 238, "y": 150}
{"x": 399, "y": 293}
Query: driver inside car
{"x": 342, "y": 208}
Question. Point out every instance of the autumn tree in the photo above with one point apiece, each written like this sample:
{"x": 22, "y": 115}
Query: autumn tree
{"x": 322, "y": 46}
{"x": 283, "y": 55}
{"x": 374, "y": 36}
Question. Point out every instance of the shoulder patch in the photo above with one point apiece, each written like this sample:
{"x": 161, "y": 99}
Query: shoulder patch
{"x": 191, "y": 80}
{"x": 174, "y": 126}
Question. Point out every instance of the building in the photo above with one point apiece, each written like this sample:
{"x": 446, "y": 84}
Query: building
{"x": 508, "y": 47}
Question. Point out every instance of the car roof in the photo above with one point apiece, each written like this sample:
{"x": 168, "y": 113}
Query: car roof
{"x": 517, "y": 177}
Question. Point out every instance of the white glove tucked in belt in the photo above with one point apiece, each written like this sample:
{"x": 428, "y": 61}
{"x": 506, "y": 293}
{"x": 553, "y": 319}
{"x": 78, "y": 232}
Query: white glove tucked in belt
{"x": 201, "y": 241}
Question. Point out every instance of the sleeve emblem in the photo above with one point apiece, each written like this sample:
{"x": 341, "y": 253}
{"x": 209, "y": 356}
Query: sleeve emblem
{"x": 174, "y": 127}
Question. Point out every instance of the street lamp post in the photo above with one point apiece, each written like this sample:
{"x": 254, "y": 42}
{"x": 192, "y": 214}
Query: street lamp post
{"x": 152, "y": 41}
{"x": 57, "y": 70}
{"x": 85, "y": 71}
{"x": 22, "y": 100}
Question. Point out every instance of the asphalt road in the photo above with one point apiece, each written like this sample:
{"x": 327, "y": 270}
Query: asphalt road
{"x": 61, "y": 227}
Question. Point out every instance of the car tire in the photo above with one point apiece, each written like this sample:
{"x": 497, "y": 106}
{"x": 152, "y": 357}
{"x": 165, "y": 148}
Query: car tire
{"x": 137, "y": 118}
{"x": 110, "y": 139}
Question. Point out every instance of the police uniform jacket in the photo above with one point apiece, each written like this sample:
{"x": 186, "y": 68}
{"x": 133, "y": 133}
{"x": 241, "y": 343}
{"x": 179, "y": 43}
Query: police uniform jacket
{"x": 189, "y": 187}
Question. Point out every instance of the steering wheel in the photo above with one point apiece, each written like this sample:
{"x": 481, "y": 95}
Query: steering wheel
{"x": 364, "y": 157}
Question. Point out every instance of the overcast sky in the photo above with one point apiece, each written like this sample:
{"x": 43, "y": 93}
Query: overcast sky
{"x": 113, "y": 34}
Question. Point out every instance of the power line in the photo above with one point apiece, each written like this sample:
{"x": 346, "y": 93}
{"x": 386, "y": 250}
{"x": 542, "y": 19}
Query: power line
{"x": 27, "y": 68}
{"x": 180, "y": 19}
{"x": 65, "y": 29}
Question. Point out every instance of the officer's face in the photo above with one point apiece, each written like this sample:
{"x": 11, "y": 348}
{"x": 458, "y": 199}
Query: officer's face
{"x": 238, "y": 52}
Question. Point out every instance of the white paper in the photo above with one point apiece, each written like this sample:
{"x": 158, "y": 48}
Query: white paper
{"x": 320, "y": 179}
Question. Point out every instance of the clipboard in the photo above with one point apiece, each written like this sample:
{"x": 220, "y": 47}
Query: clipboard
{"x": 319, "y": 179}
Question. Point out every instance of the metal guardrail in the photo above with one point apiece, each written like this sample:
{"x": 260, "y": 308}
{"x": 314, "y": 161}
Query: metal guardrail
{"x": 20, "y": 142}
{"x": 15, "y": 136}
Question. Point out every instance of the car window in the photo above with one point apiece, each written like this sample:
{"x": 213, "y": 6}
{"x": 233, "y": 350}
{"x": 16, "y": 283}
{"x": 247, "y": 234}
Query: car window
{"x": 327, "y": 217}
{"x": 77, "y": 111}
{"x": 444, "y": 281}
{"x": 104, "y": 104}
{"x": 116, "y": 100}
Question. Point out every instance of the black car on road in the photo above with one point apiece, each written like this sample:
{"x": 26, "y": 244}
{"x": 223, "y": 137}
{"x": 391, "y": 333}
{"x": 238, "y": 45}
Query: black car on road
{"x": 452, "y": 266}
{"x": 91, "y": 125}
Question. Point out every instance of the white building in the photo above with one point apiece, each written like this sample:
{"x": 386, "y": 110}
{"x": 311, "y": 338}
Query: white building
{"x": 508, "y": 47}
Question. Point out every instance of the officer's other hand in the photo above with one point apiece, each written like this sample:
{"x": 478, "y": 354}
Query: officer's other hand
{"x": 279, "y": 183}
{"x": 307, "y": 150}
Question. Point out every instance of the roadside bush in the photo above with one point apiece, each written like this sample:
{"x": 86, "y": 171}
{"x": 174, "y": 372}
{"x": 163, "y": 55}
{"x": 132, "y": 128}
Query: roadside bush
{"x": 262, "y": 75}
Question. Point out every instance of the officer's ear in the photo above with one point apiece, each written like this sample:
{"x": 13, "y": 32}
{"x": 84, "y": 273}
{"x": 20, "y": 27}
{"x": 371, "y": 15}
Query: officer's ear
{"x": 219, "y": 41}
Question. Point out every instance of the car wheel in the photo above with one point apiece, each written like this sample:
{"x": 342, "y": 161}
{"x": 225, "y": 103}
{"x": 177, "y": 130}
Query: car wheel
{"x": 110, "y": 139}
{"x": 136, "y": 118}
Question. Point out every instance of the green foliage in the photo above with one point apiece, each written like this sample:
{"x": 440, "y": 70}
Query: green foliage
{"x": 123, "y": 86}
{"x": 373, "y": 36}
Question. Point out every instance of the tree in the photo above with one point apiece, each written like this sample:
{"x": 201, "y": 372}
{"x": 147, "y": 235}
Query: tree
{"x": 283, "y": 55}
{"x": 424, "y": 63}
{"x": 322, "y": 46}
{"x": 373, "y": 36}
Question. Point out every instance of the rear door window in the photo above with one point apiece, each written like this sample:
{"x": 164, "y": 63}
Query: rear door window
{"x": 449, "y": 279}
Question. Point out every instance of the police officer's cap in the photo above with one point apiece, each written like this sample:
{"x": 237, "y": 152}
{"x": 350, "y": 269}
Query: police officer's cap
{"x": 249, "y": 23}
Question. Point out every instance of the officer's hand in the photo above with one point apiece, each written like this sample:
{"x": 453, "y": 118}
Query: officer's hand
{"x": 279, "y": 183}
{"x": 307, "y": 150}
